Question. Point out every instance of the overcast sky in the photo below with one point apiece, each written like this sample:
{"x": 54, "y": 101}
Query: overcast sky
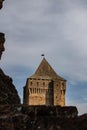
{"x": 57, "y": 28}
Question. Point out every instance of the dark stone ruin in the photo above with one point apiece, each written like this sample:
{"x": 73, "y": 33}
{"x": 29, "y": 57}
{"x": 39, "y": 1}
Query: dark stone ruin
{"x": 8, "y": 92}
{"x": 21, "y": 117}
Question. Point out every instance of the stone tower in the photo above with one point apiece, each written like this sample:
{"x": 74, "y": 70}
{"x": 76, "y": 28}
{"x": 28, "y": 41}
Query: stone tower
{"x": 45, "y": 87}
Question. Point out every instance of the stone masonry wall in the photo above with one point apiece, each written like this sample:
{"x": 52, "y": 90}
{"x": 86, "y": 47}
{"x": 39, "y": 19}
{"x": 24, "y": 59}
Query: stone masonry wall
{"x": 44, "y": 92}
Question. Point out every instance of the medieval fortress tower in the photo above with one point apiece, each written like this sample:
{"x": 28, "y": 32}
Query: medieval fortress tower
{"x": 45, "y": 87}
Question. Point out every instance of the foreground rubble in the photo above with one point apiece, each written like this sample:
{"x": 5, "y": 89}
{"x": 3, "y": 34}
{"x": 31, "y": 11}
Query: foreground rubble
{"x": 21, "y": 117}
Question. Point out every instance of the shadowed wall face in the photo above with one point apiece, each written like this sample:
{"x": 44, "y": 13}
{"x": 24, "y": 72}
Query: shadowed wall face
{"x": 1, "y": 3}
{"x": 2, "y": 40}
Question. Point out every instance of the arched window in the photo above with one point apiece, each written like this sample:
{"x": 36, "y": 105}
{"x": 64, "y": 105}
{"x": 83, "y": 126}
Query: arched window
{"x": 43, "y": 83}
{"x": 62, "y": 83}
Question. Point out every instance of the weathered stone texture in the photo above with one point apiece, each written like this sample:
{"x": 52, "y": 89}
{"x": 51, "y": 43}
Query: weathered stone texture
{"x": 21, "y": 117}
{"x": 8, "y": 92}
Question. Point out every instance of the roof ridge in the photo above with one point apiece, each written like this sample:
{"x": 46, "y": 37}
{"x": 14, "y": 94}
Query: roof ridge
{"x": 45, "y": 69}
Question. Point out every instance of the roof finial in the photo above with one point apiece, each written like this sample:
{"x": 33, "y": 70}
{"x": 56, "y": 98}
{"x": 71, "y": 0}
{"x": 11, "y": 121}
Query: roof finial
{"x": 42, "y": 55}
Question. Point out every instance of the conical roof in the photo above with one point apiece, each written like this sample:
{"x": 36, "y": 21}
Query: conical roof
{"x": 45, "y": 71}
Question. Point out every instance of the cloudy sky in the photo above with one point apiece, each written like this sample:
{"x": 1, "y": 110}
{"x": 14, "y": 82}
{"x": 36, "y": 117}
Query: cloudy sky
{"x": 57, "y": 28}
